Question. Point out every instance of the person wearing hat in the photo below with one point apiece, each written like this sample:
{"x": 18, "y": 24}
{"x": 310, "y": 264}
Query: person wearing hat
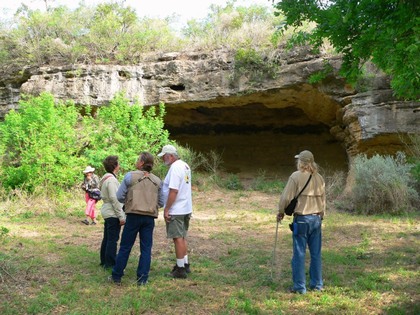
{"x": 90, "y": 182}
{"x": 177, "y": 197}
{"x": 307, "y": 219}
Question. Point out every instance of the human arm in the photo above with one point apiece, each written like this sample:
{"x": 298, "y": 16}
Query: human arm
{"x": 286, "y": 196}
{"x": 123, "y": 189}
{"x": 116, "y": 205}
{"x": 161, "y": 200}
{"x": 169, "y": 202}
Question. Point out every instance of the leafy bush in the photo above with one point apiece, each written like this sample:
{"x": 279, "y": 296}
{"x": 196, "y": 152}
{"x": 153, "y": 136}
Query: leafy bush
{"x": 124, "y": 130}
{"x": 413, "y": 151}
{"x": 233, "y": 182}
{"x": 253, "y": 64}
{"x": 39, "y": 145}
{"x": 383, "y": 184}
{"x": 261, "y": 183}
{"x": 45, "y": 145}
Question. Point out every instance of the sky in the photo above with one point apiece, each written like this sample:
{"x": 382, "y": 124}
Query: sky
{"x": 186, "y": 9}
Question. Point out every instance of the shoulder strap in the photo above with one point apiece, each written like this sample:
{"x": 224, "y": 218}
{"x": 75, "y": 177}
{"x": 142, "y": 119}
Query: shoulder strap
{"x": 304, "y": 186}
{"x": 145, "y": 176}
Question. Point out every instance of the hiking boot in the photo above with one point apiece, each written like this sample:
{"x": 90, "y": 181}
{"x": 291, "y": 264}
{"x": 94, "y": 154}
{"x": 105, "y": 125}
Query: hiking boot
{"x": 187, "y": 268}
{"x": 93, "y": 223}
{"x": 85, "y": 222}
{"x": 291, "y": 290}
{"x": 114, "y": 281}
{"x": 178, "y": 272}
{"x": 141, "y": 281}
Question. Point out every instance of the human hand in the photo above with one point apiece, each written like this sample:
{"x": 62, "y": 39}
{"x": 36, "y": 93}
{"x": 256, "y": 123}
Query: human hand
{"x": 166, "y": 215}
{"x": 122, "y": 222}
{"x": 280, "y": 217}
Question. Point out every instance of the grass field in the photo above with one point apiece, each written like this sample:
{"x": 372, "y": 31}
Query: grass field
{"x": 49, "y": 262}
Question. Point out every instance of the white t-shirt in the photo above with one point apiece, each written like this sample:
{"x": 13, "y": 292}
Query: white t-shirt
{"x": 179, "y": 177}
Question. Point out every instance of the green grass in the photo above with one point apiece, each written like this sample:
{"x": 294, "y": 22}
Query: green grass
{"x": 49, "y": 264}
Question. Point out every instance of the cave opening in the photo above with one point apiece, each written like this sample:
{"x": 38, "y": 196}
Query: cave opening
{"x": 254, "y": 139}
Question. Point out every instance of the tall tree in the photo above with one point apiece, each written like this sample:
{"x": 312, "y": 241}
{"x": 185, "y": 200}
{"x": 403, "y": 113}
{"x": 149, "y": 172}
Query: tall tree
{"x": 385, "y": 32}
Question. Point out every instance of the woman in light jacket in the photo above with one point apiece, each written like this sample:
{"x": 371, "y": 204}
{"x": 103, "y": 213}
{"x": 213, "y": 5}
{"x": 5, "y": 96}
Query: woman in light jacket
{"x": 90, "y": 182}
{"x": 111, "y": 211}
{"x": 308, "y": 215}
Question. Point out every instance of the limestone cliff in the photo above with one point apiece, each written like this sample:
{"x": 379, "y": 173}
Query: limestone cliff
{"x": 202, "y": 94}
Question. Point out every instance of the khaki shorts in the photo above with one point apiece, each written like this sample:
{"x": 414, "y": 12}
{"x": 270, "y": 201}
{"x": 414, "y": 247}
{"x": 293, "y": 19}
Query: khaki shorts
{"x": 178, "y": 226}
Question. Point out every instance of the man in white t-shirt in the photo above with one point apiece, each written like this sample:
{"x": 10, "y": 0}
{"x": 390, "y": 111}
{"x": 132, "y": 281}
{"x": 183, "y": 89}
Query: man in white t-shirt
{"x": 178, "y": 207}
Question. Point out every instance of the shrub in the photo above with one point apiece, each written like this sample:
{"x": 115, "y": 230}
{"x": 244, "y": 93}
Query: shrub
{"x": 413, "y": 151}
{"x": 233, "y": 182}
{"x": 45, "y": 145}
{"x": 261, "y": 183}
{"x": 383, "y": 184}
{"x": 39, "y": 145}
{"x": 125, "y": 130}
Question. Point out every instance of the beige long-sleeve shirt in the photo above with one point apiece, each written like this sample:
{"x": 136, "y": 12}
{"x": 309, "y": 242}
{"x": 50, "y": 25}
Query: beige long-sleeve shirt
{"x": 111, "y": 207}
{"x": 311, "y": 200}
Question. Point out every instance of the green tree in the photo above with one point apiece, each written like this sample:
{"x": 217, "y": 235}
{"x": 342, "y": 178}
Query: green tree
{"x": 383, "y": 31}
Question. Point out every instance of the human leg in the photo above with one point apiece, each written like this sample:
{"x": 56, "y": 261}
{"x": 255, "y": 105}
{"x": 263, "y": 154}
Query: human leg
{"x": 315, "y": 244}
{"x": 299, "y": 253}
{"x": 91, "y": 209}
{"x": 103, "y": 245}
{"x": 146, "y": 242}
{"x": 177, "y": 229}
{"x": 113, "y": 229}
{"x": 128, "y": 238}
{"x": 87, "y": 209}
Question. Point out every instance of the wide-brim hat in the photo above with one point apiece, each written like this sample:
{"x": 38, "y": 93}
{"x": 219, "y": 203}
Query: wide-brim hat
{"x": 89, "y": 169}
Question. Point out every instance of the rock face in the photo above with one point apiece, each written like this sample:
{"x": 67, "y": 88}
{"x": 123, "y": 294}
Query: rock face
{"x": 203, "y": 95}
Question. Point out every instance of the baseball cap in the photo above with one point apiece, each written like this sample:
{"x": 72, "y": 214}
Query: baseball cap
{"x": 305, "y": 156}
{"x": 168, "y": 149}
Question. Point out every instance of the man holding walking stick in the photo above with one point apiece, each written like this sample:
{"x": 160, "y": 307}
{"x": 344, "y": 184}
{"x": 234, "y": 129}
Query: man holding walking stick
{"x": 309, "y": 186}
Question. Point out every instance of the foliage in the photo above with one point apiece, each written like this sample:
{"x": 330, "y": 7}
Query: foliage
{"x": 251, "y": 63}
{"x": 413, "y": 152}
{"x": 233, "y": 182}
{"x": 386, "y": 32}
{"x": 321, "y": 75}
{"x": 383, "y": 185}
{"x": 232, "y": 27}
{"x": 39, "y": 145}
{"x": 44, "y": 145}
{"x": 112, "y": 32}
{"x": 124, "y": 130}
{"x": 262, "y": 183}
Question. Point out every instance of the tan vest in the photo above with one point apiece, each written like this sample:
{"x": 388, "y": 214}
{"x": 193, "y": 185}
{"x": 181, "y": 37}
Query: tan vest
{"x": 143, "y": 194}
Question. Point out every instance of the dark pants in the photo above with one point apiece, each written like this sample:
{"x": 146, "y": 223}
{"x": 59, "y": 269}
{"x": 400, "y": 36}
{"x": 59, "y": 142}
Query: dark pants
{"x": 112, "y": 230}
{"x": 142, "y": 225}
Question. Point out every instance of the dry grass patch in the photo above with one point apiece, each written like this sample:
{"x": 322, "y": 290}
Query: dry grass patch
{"x": 49, "y": 265}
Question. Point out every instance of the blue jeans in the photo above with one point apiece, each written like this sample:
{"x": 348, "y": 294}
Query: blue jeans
{"x": 308, "y": 233}
{"x": 112, "y": 230}
{"x": 144, "y": 226}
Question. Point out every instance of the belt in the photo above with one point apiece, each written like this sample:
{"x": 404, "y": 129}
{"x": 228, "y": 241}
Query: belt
{"x": 302, "y": 215}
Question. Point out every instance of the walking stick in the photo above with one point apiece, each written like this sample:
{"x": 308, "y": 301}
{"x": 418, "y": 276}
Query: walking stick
{"x": 274, "y": 251}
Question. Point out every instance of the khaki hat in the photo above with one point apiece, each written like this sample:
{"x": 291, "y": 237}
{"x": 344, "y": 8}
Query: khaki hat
{"x": 305, "y": 156}
{"x": 168, "y": 149}
{"x": 89, "y": 169}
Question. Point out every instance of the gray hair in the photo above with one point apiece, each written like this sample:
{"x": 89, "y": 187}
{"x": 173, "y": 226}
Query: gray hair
{"x": 310, "y": 167}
